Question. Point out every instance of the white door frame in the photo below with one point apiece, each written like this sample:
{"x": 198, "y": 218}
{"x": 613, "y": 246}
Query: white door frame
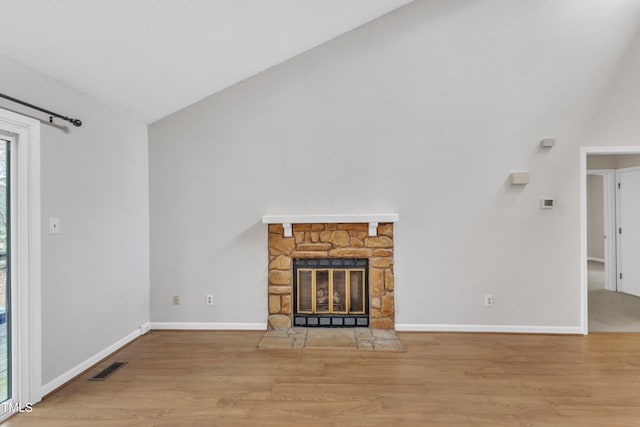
{"x": 26, "y": 263}
{"x": 609, "y": 201}
{"x": 584, "y": 151}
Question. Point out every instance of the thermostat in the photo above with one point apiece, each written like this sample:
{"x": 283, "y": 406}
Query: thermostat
{"x": 547, "y": 203}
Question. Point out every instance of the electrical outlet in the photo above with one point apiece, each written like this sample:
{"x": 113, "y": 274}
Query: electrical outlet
{"x": 488, "y": 300}
{"x": 176, "y": 300}
{"x": 209, "y": 299}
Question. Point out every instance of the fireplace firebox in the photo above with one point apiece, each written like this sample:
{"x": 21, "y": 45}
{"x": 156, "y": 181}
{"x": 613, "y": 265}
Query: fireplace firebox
{"x": 331, "y": 292}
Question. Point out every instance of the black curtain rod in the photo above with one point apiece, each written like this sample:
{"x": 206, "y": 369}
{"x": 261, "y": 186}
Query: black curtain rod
{"x": 75, "y": 122}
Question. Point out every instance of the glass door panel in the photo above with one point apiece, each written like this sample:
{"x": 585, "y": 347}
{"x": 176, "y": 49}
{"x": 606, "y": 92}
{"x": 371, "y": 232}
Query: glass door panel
{"x": 305, "y": 291}
{"x": 5, "y": 347}
{"x": 322, "y": 291}
{"x": 356, "y": 291}
{"x": 339, "y": 298}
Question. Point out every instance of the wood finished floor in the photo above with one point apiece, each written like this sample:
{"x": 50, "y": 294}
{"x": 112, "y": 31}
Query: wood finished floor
{"x": 180, "y": 378}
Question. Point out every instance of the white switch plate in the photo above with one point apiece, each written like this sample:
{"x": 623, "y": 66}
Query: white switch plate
{"x": 54, "y": 225}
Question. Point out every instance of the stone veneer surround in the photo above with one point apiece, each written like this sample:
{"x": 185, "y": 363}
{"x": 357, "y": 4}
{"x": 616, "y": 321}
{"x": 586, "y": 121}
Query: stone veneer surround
{"x": 327, "y": 240}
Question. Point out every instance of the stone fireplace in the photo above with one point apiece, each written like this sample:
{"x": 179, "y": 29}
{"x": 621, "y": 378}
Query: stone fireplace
{"x": 331, "y": 271}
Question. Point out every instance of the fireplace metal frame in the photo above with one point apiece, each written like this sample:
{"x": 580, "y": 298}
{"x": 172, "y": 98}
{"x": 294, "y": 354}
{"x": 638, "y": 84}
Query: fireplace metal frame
{"x": 335, "y": 320}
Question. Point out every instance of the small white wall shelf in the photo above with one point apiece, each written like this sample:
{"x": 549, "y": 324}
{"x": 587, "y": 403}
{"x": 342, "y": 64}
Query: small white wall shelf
{"x": 371, "y": 219}
{"x": 519, "y": 178}
{"x": 548, "y": 142}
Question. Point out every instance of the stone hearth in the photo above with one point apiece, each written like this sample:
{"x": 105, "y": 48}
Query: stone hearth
{"x": 366, "y": 339}
{"x": 331, "y": 240}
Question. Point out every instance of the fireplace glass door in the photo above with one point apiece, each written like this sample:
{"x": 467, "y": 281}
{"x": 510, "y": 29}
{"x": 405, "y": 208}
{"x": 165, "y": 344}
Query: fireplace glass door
{"x": 324, "y": 291}
{"x": 331, "y": 288}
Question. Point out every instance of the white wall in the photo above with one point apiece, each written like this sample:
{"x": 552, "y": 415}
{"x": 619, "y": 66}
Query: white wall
{"x": 616, "y": 116}
{"x": 95, "y": 274}
{"x": 423, "y": 112}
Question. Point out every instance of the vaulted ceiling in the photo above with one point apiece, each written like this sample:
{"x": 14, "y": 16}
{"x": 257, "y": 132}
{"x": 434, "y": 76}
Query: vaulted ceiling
{"x": 150, "y": 58}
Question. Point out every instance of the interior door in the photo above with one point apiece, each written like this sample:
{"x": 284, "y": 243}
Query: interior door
{"x": 628, "y": 230}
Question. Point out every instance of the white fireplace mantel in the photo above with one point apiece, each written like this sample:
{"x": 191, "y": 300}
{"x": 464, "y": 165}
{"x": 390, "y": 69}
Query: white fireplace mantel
{"x": 371, "y": 219}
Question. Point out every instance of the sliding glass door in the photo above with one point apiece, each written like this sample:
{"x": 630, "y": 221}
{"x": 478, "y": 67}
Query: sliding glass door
{"x": 5, "y": 276}
{"x": 20, "y": 246}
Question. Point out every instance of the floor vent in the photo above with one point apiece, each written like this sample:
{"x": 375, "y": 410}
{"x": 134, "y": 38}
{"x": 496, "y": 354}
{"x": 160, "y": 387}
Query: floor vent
{"x": 108, "y": 371}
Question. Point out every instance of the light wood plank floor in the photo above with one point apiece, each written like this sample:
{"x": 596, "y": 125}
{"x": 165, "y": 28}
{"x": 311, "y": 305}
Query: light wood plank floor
{"x": 180, "y": 378}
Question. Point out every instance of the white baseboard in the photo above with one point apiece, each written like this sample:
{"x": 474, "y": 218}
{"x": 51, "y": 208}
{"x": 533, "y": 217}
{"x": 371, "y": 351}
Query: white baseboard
{"x": 213, "y": 326}
{"x": 565, "y": 330}
{"x": 145, "y": 327}
{"x": 209, "y": 326}
{"x": 590, "y": 258}
{"x": 81, "y": 367}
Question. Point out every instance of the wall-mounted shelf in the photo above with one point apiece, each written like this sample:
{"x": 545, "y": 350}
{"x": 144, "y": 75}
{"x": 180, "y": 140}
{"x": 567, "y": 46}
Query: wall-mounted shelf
{"x": 288, "y": 220}
{"x": 519, "y": 178}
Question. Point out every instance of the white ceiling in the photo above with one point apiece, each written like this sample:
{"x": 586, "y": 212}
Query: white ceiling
{"x": 150, "y": 58}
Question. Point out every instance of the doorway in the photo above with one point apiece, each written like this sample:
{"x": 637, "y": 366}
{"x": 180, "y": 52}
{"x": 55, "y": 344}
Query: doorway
{"x": 608, "y": 306}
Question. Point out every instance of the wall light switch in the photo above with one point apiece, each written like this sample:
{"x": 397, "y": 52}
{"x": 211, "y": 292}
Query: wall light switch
{"x": 54, "y": 225}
